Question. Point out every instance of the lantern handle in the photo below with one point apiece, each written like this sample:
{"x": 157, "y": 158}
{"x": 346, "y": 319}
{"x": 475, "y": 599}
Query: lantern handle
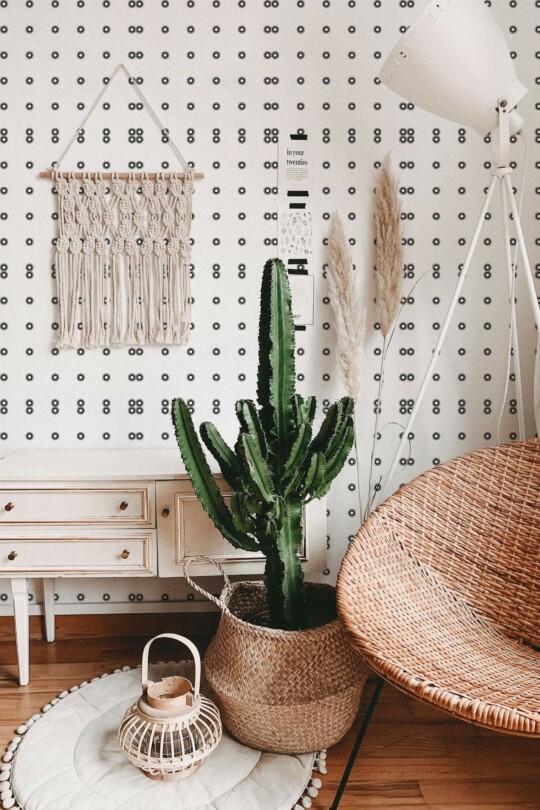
{"x": 183, "y": 640}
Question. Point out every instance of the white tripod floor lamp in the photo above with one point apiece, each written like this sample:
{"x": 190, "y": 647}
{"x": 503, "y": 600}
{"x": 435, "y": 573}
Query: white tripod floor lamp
{"x": 454, "y": 61}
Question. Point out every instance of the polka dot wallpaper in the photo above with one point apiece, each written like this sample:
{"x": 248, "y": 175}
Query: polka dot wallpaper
{"x": 228, "y": 77}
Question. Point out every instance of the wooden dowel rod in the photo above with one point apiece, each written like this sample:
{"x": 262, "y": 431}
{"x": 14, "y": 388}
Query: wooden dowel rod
{"x": 122, "y": 175}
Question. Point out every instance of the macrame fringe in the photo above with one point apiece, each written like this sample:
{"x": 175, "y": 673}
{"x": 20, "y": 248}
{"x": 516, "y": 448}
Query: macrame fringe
{"x": 122, "y": 260}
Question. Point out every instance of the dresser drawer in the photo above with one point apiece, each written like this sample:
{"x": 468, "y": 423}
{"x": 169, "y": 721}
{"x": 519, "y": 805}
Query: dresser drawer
{"x": 107, "y": 553}
{"x": 185, "y": 531}
{"x": 116, "y": 504}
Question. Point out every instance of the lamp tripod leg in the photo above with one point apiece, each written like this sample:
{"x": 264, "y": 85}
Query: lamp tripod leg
{"x": 514, "y": 340}
{"x": 529, "y": 277}
{"x": 440, "y": 341}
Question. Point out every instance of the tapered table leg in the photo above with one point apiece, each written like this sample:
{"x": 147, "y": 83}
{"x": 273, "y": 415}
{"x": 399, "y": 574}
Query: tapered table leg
{"x": 19, "y": 588}
{"x": 48, "y": 608}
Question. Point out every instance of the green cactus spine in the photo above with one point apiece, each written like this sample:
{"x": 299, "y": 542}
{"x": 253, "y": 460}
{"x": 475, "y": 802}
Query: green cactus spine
{"x": 277, "y": 465}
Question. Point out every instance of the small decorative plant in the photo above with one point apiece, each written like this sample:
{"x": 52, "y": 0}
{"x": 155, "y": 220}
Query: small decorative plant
{"x": 277, "y": 465}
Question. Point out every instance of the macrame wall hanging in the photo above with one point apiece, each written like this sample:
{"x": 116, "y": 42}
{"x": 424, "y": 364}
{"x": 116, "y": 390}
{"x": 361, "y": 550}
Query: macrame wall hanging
{"x": 123, "y": 250}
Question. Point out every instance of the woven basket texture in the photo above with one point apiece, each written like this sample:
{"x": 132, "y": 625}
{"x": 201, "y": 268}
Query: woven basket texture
{"x": 283, "y": 691}
{"x": 440, "y": 589}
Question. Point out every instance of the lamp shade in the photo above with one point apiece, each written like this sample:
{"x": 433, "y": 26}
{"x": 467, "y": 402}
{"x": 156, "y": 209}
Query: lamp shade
{"x": 454, "y": 62}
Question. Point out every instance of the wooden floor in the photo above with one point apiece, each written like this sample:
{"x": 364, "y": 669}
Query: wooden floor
{"x": 412, "y": 756}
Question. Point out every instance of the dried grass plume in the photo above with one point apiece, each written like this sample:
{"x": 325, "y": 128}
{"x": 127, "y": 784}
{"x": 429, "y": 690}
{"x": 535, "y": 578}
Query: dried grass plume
{"x": 388, "y": 248}
{"x": 348, "y": 313}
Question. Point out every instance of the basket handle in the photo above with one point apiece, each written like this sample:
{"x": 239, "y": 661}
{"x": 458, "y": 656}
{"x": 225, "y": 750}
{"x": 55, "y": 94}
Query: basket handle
{"x": 187, "y": 643}
{"x": 219, "y": 602}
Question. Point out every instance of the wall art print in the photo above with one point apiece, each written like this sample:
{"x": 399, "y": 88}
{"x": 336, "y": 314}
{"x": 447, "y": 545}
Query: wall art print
{"x": 296, "y": 233}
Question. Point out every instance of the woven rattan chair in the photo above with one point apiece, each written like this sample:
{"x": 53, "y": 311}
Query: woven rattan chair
{"x": 440, "y": 589}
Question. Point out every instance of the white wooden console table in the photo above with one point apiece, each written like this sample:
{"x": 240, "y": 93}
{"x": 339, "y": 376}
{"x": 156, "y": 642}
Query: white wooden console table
{"x": 111, "y": 513}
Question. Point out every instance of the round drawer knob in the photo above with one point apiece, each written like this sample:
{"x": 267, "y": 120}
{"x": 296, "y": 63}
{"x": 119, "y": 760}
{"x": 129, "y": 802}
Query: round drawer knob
{"x": 125, "y": 554}
{"x": 9, "y": 506}
{"x": 12, "y": 555}
{"x": 165, "y": 512}
{"x": 123, "y": 506}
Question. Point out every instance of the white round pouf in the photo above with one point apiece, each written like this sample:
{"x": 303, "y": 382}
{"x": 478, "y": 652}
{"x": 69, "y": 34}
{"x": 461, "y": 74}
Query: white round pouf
{"x": 69, "y": 758}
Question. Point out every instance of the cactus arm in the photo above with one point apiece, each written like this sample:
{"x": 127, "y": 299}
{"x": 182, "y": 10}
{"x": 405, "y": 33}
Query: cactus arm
{"x": 298, "y": 401}
{"x": 225, "y": 457}
{"x": 276, "y": 377}
{"x": 202, "y": 479}
{"x": 335, "y": 462}
{"x": 345, "y": 422}
{"x": 315, "y": 474}
{"x": 326, "y": 430}
{"x": 282, "y": 382}
{"x": 296, "y": 483}
{"x": 321, "y": 483}
{"x": 264, "y": 371}
{"x": 310, "y": 409}
{"x": 289, "y": 537}
{"x": 241, "y": 518}
{"x": 320, "y": 492}
{"x": 348, "y": 407}
{"x": 304, "y": 410}
{"x": 260, "y": 475}
{"x": 298, "y": 452}
{"x": 252, "y": 506}
{"x": 250, "y": 423}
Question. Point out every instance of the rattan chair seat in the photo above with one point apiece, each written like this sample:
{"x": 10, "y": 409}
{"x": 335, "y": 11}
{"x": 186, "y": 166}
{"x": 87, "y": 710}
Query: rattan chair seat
{"x": 440, "y": 589}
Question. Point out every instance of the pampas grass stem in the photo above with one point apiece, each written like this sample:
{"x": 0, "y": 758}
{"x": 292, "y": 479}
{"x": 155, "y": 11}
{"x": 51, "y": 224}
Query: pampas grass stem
{"x": 378, "y": 408}
{"x": 388, "y": 282}
{"x": 349, "y": 322}
{"x": 388, "y": 247}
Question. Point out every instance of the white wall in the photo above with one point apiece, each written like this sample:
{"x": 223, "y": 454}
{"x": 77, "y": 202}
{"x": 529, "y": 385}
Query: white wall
{"x": 217, "y": 65}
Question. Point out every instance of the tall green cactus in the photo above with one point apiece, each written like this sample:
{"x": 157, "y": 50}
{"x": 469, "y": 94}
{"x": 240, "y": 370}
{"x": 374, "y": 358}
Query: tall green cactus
{"x": 277, "y": 465}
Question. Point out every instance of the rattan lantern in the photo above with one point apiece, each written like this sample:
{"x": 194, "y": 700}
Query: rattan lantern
{"x": 172, "y": 728}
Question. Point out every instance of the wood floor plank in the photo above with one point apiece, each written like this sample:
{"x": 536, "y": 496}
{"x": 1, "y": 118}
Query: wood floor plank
{"x": 412, "y": 757}
{"x": 505, "y": 792}
{"x": 119, "y": 625}
{"x": 517, "y": 806}
{"x": 445, "y": 756}
{"x": 386, "y": 769}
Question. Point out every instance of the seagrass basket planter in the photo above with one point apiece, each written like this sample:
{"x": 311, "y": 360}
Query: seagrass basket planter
{"x": 288, "y": 692}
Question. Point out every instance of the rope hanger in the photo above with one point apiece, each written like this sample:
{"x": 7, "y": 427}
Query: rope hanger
{"x": 122, "y": 175}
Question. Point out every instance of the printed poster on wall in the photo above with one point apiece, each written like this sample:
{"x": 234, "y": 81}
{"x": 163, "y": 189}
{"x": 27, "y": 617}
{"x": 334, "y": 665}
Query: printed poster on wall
{"x": 295, "y": 222}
